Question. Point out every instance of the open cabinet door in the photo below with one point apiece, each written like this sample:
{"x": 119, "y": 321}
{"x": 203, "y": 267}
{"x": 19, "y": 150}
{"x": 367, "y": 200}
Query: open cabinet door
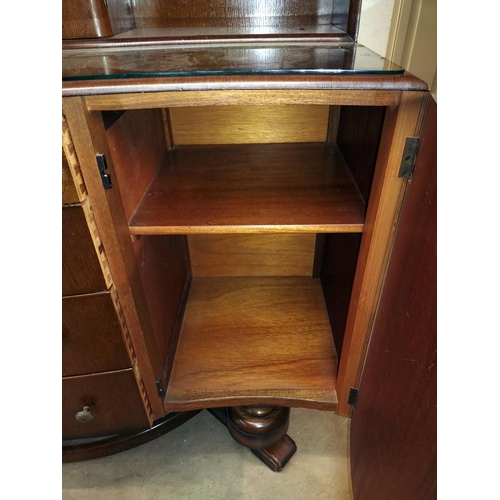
{"x": 393, "y": 429}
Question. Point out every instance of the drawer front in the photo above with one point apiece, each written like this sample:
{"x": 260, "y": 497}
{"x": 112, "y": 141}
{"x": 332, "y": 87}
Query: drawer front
{"x": 92, "y": 335}
{"x": 103, "y": 404}
{"x": 82, "y": 268}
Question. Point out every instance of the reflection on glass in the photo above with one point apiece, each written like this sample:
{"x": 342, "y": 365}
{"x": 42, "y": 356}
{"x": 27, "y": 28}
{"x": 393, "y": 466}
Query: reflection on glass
{"x": 225, "y": 59}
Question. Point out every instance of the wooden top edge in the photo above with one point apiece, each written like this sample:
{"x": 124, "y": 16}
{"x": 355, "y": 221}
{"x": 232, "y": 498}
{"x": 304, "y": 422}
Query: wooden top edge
{"x": 403, "y": 82}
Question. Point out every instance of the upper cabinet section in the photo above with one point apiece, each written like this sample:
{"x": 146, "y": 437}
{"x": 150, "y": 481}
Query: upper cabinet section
{"x": 104, "y": 18}
{"x": 210, "y": 42}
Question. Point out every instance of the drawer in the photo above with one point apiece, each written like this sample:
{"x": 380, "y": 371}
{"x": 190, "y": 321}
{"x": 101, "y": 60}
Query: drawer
{"x": 82, "y": 265}
{"x": 114, "y": 403}
{"x": 92, "y": 335}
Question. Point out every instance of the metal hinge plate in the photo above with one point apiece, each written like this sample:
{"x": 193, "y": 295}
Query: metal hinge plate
{"x": 159, "y": 387}
{"x": 103, "y": 166}
{"x": 353, "y": 396}
{"x": 409, "y": 157}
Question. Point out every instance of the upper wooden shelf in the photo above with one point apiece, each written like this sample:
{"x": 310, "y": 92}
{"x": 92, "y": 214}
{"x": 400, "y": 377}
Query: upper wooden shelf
{"x": 254, "y": 340}
{"x": 300, "y": 187}
{"x": 142, "y": 37}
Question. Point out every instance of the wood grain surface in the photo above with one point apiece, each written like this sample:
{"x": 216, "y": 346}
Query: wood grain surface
{"x": 254, "y": 340}
{"x": 249, "y": 124}
{"x": 113, "y": 399}
{"x": 251, "y": 188}
{"x": 82, "y": 271}
{"x": 252, "y": 254}
{"x": 92, "y": 337}
{"x": 394, "y": 425}
{"x": 158, "y": 13}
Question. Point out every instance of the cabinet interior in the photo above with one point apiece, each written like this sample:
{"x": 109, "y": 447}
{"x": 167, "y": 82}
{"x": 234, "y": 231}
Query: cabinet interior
{"x": 246, "y": 222}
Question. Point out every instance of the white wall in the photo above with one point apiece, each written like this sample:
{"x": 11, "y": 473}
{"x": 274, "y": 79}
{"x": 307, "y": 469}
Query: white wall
{"x": 375, "y": 24}
{"x": 404, "y": 31}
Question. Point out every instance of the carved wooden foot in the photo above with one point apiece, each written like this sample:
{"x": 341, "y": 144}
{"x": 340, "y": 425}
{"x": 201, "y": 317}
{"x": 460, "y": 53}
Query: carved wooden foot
{"x": 262, "y": 429}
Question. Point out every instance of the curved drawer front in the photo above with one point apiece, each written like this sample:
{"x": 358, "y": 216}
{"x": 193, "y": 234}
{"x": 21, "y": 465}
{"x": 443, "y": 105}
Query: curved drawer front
{"x": 102, "y": 404}
{"x": 92, "y": 335}
{"x": 82, "y": 269}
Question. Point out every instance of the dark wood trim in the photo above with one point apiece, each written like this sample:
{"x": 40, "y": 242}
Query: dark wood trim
{"x": 275, "y": 456}
{"x": 405, "y": 81}
{"x": 117, "y": 444}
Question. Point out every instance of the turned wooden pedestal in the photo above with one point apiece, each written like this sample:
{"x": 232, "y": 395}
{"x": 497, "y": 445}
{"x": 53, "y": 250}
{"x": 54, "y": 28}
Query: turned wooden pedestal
{"x": 263, "y": 430}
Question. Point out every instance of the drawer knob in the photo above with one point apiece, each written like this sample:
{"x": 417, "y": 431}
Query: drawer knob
{"x": 84, "y": 415}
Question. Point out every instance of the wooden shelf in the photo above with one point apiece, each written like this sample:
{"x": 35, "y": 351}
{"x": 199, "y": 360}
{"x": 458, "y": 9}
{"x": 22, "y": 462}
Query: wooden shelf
{"x": 300, "y": 187}
{"x": 254, "y": 340}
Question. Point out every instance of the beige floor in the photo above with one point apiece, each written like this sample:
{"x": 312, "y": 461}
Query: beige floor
{"x": 200, "y": 461}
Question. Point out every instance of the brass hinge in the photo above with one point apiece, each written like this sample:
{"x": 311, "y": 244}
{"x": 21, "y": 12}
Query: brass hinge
{"x": 409, "y": 157}
{"x": 353, "y": 396}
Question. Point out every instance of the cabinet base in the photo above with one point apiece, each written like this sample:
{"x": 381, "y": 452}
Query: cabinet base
{"x": 275, "y": 456}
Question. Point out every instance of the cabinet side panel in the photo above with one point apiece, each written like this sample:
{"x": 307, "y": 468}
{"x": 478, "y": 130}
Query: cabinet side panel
{"x": 340, "y": 255}
{"x": 359, "y": 132}
{"x": 137, "y": 143}
{"x": 164, "y": 274}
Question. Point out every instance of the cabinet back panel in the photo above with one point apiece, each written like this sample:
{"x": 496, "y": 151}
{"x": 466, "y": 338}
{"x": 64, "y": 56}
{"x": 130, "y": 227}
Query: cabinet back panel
{"x": 252, "y": 254}
{"x": 178, "y": 13}
{"x": 249, "y": 124}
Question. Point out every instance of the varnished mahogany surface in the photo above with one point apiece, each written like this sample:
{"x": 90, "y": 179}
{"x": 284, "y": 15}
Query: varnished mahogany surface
{"x": 92, "y": 336}
{"x": 81, "y": 269}
{"x": 158, "y": 13}
{"x": 249, "y": 124}
{"x": 254, "y": 340}
{"x": 251, "y": 188}
{"x": 113, "y": 399}
{"x": 394, "y": 424}
{"x": 251, "y": 254}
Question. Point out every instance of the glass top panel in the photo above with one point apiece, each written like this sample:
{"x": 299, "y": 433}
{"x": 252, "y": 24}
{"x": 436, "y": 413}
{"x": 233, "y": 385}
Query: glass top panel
{"x": 223, "y": 59}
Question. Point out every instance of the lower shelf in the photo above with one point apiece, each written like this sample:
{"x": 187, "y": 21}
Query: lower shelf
{"x": 254, "y": 340}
